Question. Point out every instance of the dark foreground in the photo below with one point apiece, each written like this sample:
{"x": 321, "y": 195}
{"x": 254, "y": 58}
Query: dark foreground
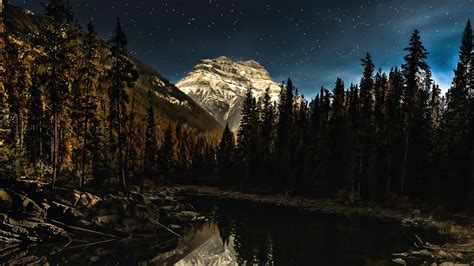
{"x": 239, "y": 228}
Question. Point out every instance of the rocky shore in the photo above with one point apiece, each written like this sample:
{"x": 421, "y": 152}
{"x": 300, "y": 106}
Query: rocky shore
{"x": 32, "y": 214}
{"x": 458, "y": 227}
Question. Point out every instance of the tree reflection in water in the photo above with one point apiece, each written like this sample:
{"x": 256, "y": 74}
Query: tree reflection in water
{"x": 264, "y": 234}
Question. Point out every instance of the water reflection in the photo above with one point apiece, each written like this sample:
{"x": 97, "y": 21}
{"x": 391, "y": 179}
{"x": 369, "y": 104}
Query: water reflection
{"x": 245, "y": 233}
{"x": 239, "y": 232}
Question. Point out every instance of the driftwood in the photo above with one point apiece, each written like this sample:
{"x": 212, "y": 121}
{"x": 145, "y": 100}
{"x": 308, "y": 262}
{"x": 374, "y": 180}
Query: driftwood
{"x": 84, "y": 229}
{"x": 429, "y": 253}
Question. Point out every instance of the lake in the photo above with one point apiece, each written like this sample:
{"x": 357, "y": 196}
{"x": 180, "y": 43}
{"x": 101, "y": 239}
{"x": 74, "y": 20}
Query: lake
{"x": 248, "y": 233}
{"x": 241, "y": 232}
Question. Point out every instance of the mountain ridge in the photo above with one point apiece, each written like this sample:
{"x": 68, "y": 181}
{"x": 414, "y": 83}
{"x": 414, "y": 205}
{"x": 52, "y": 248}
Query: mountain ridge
{"x": 219, "y": 85}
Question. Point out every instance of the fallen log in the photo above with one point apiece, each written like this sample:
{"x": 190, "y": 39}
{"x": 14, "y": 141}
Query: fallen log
{"x": 85, "y": 230}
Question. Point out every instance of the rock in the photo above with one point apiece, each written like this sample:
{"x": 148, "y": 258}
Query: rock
{"x": 111, "y": 206}
{"x": 442, "y": 254}
{"x": 190, "y": 213}
{"x": 168, "y": 208}
{"x": 399, "y": 261}
{"x": 5, "y": 200}
{"x": 175, "y": 226}
{"x": 137, "y": 225}
{"x": 107, "y": 220}
{"x": 416, "y": 213}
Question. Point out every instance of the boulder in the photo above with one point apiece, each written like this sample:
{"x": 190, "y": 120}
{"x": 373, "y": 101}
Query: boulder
{"x": 5, "y": 200}
{"x": 107, "y": 220}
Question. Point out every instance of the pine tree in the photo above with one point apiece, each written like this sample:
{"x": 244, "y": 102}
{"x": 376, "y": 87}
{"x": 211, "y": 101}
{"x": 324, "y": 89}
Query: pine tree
{"x": 366, "y": 126}
{"x": 393, "y": 126}
{"x": 150, "y": 167}
{"x": 17, "y": 83}
{"x": 247, "y": 136}
{"x": 414, "y": 67}
{"x": 337, "y": 123}
{"x": 457, "y": 117}
{"x": 169, "y": 153}
{"x": 60, "y": 11}
{"x": 58, "y": 56}
{"x": 379, "y": 147}
{"x": 283, "y": 144}
{"x": 267, "y": 118}
{"x": 90, "y": 73}
{"x": 3, "y": 102}
{"x": 225, "y": 155}
{"x": 122, "y": 76}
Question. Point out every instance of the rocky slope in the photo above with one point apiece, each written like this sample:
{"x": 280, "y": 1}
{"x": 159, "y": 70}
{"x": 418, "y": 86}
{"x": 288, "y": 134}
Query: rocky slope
{"x": 170, "y": 103}
{"x": 219, "y": 86}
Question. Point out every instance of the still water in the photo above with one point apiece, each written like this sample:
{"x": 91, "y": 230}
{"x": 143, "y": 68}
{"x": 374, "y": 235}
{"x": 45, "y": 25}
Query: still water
{"x": 240, "y": 232}
{"x": 247, "y": 233}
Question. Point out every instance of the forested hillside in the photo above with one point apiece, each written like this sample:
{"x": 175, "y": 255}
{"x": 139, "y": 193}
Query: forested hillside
{"x": 79, "y": 110}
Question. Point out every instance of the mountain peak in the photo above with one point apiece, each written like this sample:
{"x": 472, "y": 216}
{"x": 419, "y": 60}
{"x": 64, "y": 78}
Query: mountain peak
{"x": 251, "y": 63}
{"x": 219, "y": 86}
{"x": 222, "y": 58}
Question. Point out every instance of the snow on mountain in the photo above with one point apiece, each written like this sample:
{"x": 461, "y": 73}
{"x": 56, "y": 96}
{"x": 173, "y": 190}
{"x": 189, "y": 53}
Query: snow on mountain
{"x": 219, "y": 86}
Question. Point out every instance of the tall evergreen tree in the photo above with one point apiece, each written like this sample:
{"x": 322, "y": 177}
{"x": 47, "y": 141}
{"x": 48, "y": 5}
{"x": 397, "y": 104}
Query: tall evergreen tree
{"x": 122, "y": 76}
{"x": 393, "y": 127}
{"x": 58, "y": 57}
{"x": 414, "y": 68}
{"x": 150, "y": 166}
{"x": 285, "y": 122}
{"x": 169, "y": 153}
{"x": 337, "y": 124}
{"x": 89, "y": 74}
{"x": 365, "y": 130}
{"x": 267, "y": 119}
{"x": 457, "y": 119}
{"x": 225, "y": 155}
{"x": 247, "y": 136}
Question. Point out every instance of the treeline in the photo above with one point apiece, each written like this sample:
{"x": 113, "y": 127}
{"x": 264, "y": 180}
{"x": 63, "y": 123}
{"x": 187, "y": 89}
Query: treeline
{"x": 394, "y": 133}
{"x": 67, "y": 118}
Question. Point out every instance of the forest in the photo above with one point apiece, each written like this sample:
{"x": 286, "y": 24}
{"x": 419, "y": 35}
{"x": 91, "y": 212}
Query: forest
{"x": 392, "y": 134}
{"x": 65, "y": 120}
{"x": 68, "y": 119}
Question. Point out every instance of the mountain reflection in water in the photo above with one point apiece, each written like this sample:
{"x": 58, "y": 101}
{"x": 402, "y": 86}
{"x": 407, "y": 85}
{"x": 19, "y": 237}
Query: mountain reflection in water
{"x": 240, "y": 232}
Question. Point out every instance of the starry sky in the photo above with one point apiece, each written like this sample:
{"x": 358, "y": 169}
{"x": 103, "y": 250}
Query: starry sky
{"x": 311, "y": 41}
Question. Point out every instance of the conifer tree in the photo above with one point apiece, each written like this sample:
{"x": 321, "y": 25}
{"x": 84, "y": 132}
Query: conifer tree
{"x": 414, "y": 67}
{"x": 169, "y": 152}
{"x": 457, "y": 119}
{"x": 58, "y": 57}
{"x": 247, "y": 135}
{"x": 393, "y": 126}
{"x": 150, "y": 157}
{"x": 285, "y": 122}
{"x": 90, "y": 73}
{"x": 122, "y": 76}
{"x": 267, "y": 119}
{"x": 225, "y": 155}
{"x": 337, "y": 123}
{"x": 366, "y": 126}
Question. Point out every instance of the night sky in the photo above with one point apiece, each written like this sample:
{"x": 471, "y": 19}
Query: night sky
{"x": 312, "y": 42}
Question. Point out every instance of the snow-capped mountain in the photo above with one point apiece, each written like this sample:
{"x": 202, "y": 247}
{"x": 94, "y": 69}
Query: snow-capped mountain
{"x": 219, "y": 86}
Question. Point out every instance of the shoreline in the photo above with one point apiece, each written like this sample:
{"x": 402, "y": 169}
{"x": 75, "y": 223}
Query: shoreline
{"x": 460, "y": 249}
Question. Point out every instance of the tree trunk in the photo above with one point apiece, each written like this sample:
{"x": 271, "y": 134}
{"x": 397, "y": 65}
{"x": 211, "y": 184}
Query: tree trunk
{"x": 121, "y": 139}
{"x": 55, "y": 148}
{"x": 389, "y": 165}
{"x": 84, "y": 152}
{"x": 402, "y": 184}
